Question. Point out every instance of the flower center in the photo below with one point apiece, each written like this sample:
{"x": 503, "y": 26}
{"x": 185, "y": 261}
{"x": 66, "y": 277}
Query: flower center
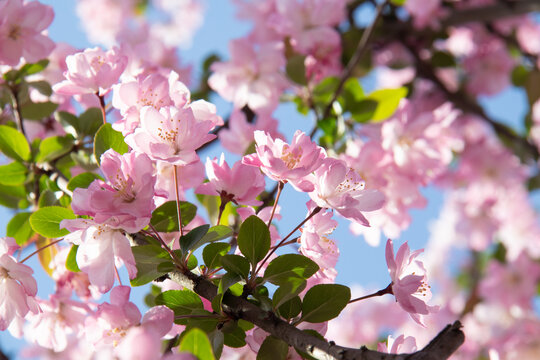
{"x": 4, "y": 273}
{"x": 14, "y": 32}
{"x": 353, "y": 182}
{"x": 291, "y": 158}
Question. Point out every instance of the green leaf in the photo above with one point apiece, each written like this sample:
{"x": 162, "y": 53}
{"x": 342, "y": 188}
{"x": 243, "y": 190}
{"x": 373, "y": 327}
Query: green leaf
{"x": 147, "y": 260}
{"x": 37, "y": 111}
{"x": 82, "y": 180}
{"x": 182, "y": 302}
{"x": 46, "y": 221}
{"x": 54, "y": 147}
{"x": 398, "y": 2}
{"x": 13, "y": 196}
{"x": 42, "y": 86}
{"x": 288, "y": 291}
{"x": 284, "y": 267}
{"x": 386, "y": 101}
{"x": 324, "y": 91}
{"x": 202, "y": 319}
{"x": 443, "y": 59}
{"x": 196, "y": 342}
{"x": 296, "y": 70}
{"x": 189, "y": 241}
{"x": 352, "y": 93}
{"x": 212, "y": 254}
{"x": 30, "y": 69}
{"x": 90, "y": 121}
{"x": 228, "y": 280}
{"x": 216, "y": 339}
{"x": 216, "y": 233}
{"x": 324, "y": 302}
{"x": 291, "y": 308}
{"x": 108, "y": 138}
{"x": 235, "y": 264}
{"x": 254, "y": 239}
{"x": 19, "y": 228}
{"x": 165, "y": 218}
{"x": 13, "y": 174}
{"x": 13, "y": 144}
{"x": 235, "y": 338}
{"x": 47, "y": 198}
{"x": 71, "y": 261}
{"x": 273, "y": 349}
{"x": 519, "y": 75}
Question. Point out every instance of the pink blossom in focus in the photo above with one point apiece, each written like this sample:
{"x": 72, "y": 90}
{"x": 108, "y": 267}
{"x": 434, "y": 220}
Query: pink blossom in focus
{"x": 399, "y": 345}
{"x": 92, "y": 71}
{"x": 409, "y": 281}
{"x": 252, "y": 76}
{"x": 339, "y": 187}
{"x": 18, "y": 287}
{"x": 126, "y": 199}
{"x": 102, "y": 249}
{"x": 171, "y": 134}
{"x": 241, "y": 184}
{"x": 288, "y": 163}
{"x": 22, "y": 25}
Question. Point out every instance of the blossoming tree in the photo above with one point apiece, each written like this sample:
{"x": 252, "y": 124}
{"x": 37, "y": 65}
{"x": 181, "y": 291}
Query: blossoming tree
{"x": 101, "y": 166}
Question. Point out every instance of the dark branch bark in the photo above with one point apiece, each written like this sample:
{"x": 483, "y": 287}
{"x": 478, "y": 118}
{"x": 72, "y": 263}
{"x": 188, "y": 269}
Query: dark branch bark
{"x": 441, "y": 347}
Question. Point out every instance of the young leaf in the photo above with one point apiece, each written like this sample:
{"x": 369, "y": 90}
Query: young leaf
{"x": 82, "y": 180}
{"x": 189, "y": 241}
{"x": 386, "y": 100}
{"x": 108, "y": 138}
{"x": 182, "y": 302}
{"x": 54, "y": 147}
{"x": 165, "y": 218}
{"x": 71, "y": 261}
{"x": 235, "y": 264}
{"x": 46, "y": 255}
{"x": 46, "y": 221}
{"x": 147, "y": 260}
{"x": 273, "y": 349}
{"x": 196, "y": 342}
{"x": 13, "y": 174}
{"x": 296, "y": 70}
{"x": 324, "y": 302}
{"x": 254, "y": 239}
{"x": 212, "y": 254}
{"x": 13, "y": 144}
{"x": 288, "y": 266}
{"x": 19, "y": 228}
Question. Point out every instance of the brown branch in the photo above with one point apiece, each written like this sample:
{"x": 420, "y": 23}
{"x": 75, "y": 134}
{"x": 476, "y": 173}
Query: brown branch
{"x": 441, "y": 347}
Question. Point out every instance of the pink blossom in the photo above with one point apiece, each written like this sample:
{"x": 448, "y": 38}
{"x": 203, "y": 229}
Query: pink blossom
{"x": 528, "y": 36}
{"x": 339, "y": 187}
{"x": 424, "y": 12}
{"x": 170, "y": 134}
{"x": 126, "y": 199}
{"x": 189, "y": 176}
{"x": 22, "y": 26}
{"x": 399, "y": 345}
{"x": 239, "y": 135}
{"x": 102, "y": 249}
{"x": 102, "y": 20}
{"x": 18, "y": 288}
{"x": 252, "y": 76}
{"x": 288, "y": 163}
{"x": 61, "y": 322}
{"x": 409, "y": 281}
{"x": 67, "y": 281}
{"x": 92, "y": 71}
{"x": 241, "y": 184}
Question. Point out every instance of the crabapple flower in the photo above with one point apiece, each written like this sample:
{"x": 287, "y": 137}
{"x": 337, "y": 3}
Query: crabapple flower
{"x": 409, "y": 281}
{"x": 339, "y": 187}
{"x": 102, "y": 248}
{"x": 287, "y": 163}
{"x": 92, "y": 71}
{"x": 21, "y": 31}
{"x": 170, "y": 134}
{"x": 18, "y": 288}
{"x": 399, "y": 345}
{"x": 241, "y": 184}
{"x": 127, "y": 197}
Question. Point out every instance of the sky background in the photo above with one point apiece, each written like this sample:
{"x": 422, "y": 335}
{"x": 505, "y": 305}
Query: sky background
{"x": 359, "y": 263}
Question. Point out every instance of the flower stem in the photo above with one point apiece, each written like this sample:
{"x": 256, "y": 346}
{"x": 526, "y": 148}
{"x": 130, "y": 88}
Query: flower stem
{"x": 117, "y": 275}
{"x": 222, "y": 205}
{"x": 281, "y": 184}
{"x": 40, "y": 249}
{"x": 102, "y": 106}
{"x": 387, "y": 290}
{"x": 178, "y": 200}
{"x": 313, "y": 213}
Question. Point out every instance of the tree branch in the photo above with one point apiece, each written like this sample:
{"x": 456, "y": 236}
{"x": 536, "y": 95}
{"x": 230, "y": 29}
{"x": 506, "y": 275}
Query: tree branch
{"x": 441, "y": 347}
